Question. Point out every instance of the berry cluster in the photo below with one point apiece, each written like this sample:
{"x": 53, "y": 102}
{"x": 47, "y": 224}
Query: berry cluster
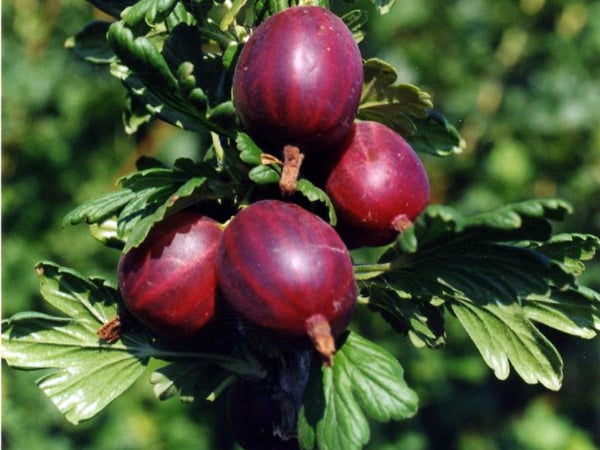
{"x": 297, "y": 84}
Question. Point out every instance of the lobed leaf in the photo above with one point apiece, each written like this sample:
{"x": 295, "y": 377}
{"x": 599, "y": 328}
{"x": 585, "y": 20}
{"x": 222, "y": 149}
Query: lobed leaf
{"x": 148, "y": 11}
{"x": 86, "y": 374}
{"x": 498, "y": 272}
{"x": 391, "y": 104}
{"x": 365, "y": 380}
{"x": 149, "y": 195}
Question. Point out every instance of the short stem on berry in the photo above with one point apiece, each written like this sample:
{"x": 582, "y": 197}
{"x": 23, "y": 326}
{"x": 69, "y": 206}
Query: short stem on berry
{"x": 292, "y": 160}
{"x": 319, "y": 331}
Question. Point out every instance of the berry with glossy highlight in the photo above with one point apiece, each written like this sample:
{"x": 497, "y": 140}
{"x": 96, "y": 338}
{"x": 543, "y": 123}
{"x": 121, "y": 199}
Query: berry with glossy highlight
{"x": 377, "y": 184}
{"x": 298, "y": 79}
{"x": 169, "y": 282}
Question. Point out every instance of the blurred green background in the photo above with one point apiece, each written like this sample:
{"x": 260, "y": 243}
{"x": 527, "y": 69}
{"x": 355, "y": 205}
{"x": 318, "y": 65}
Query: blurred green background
{"x": 520, "y": 79}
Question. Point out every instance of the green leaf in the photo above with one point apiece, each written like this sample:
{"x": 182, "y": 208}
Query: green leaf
{"x": 265, "y": 174}
{"x": 435, "y": 135}
{"x": 355, "y": 20}
{"x": 137, "y": 228}
{"x": 86, "y": 373}
{"x": 149, "y": 11}
{"x": 141, "y": 56}
{"x": 148, "y": 196}
{"x": 191, "y": 381}
{"x": 394, "y": 105}
{"x": 91, "y": 44}
{"x": 364, "y": 381}
{"x": 422, "y": 322}
{"x": 574, "y": 311}
{"x": 100, "y": 208}
{"x": 498, "y": 272}
{"x": 315, "y": 194}
{"x": 250, "y": 153}
{"x": 383, "y": 6}
{"x": 570, "y": 250}
{"x": 502, "y": 334}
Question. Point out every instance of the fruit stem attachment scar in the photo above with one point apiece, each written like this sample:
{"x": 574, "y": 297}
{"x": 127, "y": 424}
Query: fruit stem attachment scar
{"x": 292, "y": 160}
{"x": 319, "y": 331}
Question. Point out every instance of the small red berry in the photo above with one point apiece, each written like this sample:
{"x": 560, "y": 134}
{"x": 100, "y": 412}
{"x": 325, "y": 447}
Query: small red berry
{"x": 377, "y": 184}
{"x": 169, "y": 282}
{"x": 286, "y": 269}
{"x": 298, "y": 79}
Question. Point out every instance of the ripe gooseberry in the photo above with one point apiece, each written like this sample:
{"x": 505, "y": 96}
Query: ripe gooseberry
{"x": 169, "y": 282}
{"x": 377, "y": 184}
{"x": 298, "y": 79}
{"x": 287, "y": 269}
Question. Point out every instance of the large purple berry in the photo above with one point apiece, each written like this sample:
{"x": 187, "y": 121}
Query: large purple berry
{"x": 378, "y": 185}
{"x": 169, "y": 282}
{"x": 298, "y": 79}
{"x": 286, "y": 269}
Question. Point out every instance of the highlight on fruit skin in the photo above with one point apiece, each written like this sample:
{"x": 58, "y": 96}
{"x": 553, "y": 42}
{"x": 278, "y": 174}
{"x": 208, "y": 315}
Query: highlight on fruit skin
{"x": 377, "y": 184}
{"x": 286, "y": 269}
{"x": 298, "y": 80}
{"x": 169, "y": 282}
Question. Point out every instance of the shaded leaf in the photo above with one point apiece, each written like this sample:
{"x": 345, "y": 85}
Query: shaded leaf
{"x": 364, "y": 381}
{"x": 91, "y": 44}
{"x": 491, "y": 271}
{"x": 575, "y": 311}
{"x": 190, "y": 381}
{"x": 435, "y": 135}
{"x": 148, "y": 11}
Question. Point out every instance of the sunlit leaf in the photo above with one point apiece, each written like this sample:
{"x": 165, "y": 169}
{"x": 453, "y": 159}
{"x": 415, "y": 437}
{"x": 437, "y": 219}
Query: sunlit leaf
{"x": 86, "y": 373}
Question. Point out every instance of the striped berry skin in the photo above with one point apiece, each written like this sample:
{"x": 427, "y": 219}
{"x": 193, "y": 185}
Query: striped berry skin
{"x": 169, "y": 282}
{"x": 280, "y": 266}
{"x": 298, "y": 79}
{"x": 378, "y": 185}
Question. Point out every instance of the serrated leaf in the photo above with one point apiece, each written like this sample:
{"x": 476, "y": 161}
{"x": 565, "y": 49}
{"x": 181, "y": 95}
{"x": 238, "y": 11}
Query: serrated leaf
{"x": 422, "y": 322}
{"x": 435, "y": 135}
{"x": 503, "y": 334}
{"x": 148, "y": 11}
{"x": 250, "y": 153}
{"x": 570, "y": 250}
{"x": 184, "y": 196}
{"x": 91, "y": 44}
{"x": 391, "y": 104}
{"x": 574, "y": 311}
{"x": 355, "y": 20}
{"x": 86, "y": 373}
{"x": 315, "y": 194}
{"x": 149, "y": 195}
{"x": 100, "y": 208}
{"x": 491, "y": 271}
{"x": 264, "y": 174}
{"x": 364, "y": 381}
{"x": 141, "y": 56}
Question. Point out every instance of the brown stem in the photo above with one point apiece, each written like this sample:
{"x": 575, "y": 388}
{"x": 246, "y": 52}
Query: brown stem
{"x": 319, "y": 331}
{"x": 110, "y": 332}
{"x": 292, "y": 160}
